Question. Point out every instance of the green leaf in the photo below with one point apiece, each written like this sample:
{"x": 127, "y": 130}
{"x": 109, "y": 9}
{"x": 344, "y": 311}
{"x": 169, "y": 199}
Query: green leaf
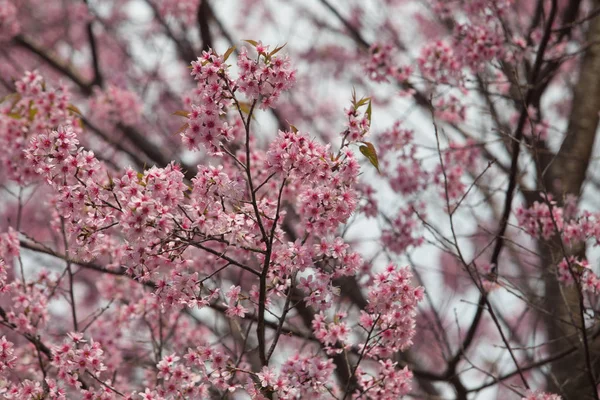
{"x": 276, "y": 50}
{"x": 74, "y": 109}
{"x": 368, "y": 150}
{"x": 244, "y": 107}
{"x": 252, "y": 42}
{"x": 32, "y": 113}
{"x": 293, "y": 128}
{"x": 15, "y": 96}
{"x": 363, "y": 101}
{"x": 182, "y": 128}
{"x": 228, "y": 53}
{"x": 182, "y": 113}
{"x": 369, "y": 110}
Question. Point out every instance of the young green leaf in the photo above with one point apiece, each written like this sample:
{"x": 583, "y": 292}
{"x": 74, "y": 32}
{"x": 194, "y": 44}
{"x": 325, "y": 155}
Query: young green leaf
{"x": 182, "y": 113}
{"x": 252, "y": 42}
{"x": 74, "y": 109}
{"x": 182, "y": 128}
{"x": 228, "y": 53}
{"x": 292, "y": 127}
{"x": 276, "y": 50}
{"x": 15, "y": 96}
{"x": 32, "y": 113}
{"x": 368, "y": 150}
{"x": 363, "y": 101}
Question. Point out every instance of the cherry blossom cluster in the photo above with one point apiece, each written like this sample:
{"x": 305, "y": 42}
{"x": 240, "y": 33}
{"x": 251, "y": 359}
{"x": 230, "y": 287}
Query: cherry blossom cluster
{"x": 410, "y": 177}
{"x": 183, "y": 377}
{"x": 266, "y": 77}
{"x": 237, "y": 279}
{"x": 572, "y": 268}
{"x": 211, "y": 188}
{"x": 34, "y": 108}
{"x": 485, "y": 8}
{"x": 318, "y": 289}
{"x": 381, "y": 66}
{"x": 477, "y": 41}
{"x": 300, "y": 376}
{"x": 206, "y": 123}
{"x": 369, "y": 205}
{"x": 404, "y": 231}
{"x": 148, "y": 203}
{"x": 75, "y": 357}
{"x": 261, "y": 80}
{"x": 273, "y": 381}
{"x": 9, "y": 246}
{"x": 325, "y": 198}
{"x": 234, "y": 304}
{"x": 331, "y": 333}
{"x": 184, "y": 10}
{"x": 7, "y": 357}
{"x": 116, "y": 105}
{"x": 391, "y": 312}
{"x": 25, "y": 390}
{"x": 458, "y": 159}
{"x": 311, "y": 375}
{"x": 545, "y": 220}
{"x": 28, "y": 309}
{"x": 397, "y": 149}
{"x": 535, "y": 128}
{"x": 539, "y": 395}
{"x": 170, "y": 246}
{"x": 79, "y": 181}
{"x": 3, "y": 276}
{"x": 478, "y": 44}
{"x": 450, "y": 109}
{"x": 141, "y": 204}
{"x": 358, "y": 125}
{"x": 542, "y": 220}
{"x": 439, "y": 63}
{"x": 389, "y": 383}
{"x": 332, "y": 258}
{"x": 89, "y": 201}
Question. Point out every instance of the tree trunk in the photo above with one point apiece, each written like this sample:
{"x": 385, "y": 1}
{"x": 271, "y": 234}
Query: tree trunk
{"x": 566, "y": 174}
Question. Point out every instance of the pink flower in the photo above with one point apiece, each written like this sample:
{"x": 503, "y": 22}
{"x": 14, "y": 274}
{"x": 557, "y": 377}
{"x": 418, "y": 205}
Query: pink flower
{"x": 539, "y": 395}
{"x": 267, "y": 376}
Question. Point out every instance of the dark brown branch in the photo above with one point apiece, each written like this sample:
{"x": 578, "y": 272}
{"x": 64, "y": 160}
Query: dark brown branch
{"x": 147, "y": 147}
{"x": 55, "y": 63}
{"x": 98, "y": 79}
{"x": 509, "y": 197}
{"x": 203, "y": 17}
{"x": 184, "y": 48}
{"x": 518, "y": 136}
{"x": 35, "y": 340}
{"x": 536, "y": 364}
